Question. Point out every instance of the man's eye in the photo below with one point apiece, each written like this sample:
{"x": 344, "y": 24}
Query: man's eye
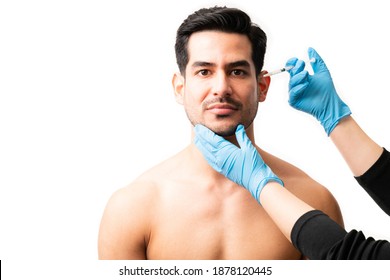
{"x": 203, "y": 72}
{"x": 238, "y": 72}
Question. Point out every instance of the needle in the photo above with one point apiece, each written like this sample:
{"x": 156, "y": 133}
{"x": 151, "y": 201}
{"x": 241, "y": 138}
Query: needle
{"x": 284, "y": 69}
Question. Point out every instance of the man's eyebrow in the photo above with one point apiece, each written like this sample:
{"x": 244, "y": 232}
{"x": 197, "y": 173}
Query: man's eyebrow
{"x": 242, "y": 63}
{"x": 202, "y": 64}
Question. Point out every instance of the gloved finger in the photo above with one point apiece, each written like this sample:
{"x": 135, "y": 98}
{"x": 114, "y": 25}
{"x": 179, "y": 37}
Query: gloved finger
{"x": 291, "y": 62}
{"x": 299, "y": 67}
{"x": 296, "y": 93}
{"x": 298, "y": 79}
{"x": 241, "y": 135}
{"x": 297, "y": 86}
{"x": 246, "y": 144}
{"x": 208, "y": 155}
{"x": 212, "y": 141}
{"x": 242, "y": 139}
{"x": 318, "y": 65}
{"x": 208, "y": 137}
{"x": 207, "y": 148}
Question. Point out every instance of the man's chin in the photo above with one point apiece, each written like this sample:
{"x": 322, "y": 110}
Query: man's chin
{"x": 224, "y": 131}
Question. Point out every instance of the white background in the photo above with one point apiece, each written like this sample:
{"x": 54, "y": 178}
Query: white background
{"x": 86, "y": 105}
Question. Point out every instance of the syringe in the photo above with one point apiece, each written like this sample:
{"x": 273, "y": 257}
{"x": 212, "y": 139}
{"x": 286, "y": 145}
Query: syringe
{"x": 284, "y": 69}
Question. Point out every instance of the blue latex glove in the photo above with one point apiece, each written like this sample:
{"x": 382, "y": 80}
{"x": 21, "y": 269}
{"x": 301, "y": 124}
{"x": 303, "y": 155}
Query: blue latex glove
{"x": 315, "y": 94}
{"x": 243, "y": 165}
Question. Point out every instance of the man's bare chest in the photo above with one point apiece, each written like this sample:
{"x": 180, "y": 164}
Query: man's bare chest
{"x": 208, "y": 227}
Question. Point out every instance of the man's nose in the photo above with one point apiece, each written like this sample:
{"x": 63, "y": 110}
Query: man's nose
{"x": 221, "y": 85}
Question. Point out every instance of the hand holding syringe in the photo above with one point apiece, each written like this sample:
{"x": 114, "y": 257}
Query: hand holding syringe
{"x": 315, "y": 93}
{"x": 284, "y": 69}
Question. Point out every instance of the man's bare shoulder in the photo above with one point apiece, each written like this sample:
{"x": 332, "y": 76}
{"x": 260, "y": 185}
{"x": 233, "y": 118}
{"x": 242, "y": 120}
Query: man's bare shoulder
{"x": 144, "y": 190}
{"x": 165, "y": 169}
{"x": 303, "y": 186}
{"x": 126, "y": 222}
{"x": 129, "y": 214}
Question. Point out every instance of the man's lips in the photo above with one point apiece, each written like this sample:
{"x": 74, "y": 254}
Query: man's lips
{"x": 222, "y": 108}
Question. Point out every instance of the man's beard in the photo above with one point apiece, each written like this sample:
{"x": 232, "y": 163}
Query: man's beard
{"x": 223, "y": 129}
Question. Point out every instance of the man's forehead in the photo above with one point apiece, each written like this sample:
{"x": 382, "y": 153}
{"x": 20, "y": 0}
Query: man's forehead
{"x": 218, "y": 46}
{"x": 201, "y": 39}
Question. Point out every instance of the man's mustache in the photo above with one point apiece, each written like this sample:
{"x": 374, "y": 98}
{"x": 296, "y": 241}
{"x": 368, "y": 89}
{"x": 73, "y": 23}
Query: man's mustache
{"x": 222, "y": 100}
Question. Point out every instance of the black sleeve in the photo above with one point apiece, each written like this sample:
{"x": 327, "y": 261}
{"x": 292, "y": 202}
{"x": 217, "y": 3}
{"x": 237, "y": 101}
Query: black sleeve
{"x": 318, "y": 237}
{"x": 376, "y": 181}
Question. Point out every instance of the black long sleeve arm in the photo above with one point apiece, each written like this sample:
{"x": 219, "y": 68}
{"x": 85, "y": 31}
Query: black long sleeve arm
{"x": 376, "y": 181}
{"x": 318, "y": 237}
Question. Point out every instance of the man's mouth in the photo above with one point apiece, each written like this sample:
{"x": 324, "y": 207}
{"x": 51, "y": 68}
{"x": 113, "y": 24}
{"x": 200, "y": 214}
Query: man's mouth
{"x": 221, "y": 109}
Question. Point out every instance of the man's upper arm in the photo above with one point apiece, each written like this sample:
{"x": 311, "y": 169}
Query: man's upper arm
{"x": 330, "y": 206}
{"x": 123, "y": 227}
{"x": 320, "y": 198}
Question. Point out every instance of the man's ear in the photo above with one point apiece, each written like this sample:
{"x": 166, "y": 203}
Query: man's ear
{"x": 178, "y": 87}
{"x": 263, "y": 84}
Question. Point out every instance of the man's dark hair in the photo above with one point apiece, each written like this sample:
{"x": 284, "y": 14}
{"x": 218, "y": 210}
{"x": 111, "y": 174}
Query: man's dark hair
{"x": 224, "y": 19}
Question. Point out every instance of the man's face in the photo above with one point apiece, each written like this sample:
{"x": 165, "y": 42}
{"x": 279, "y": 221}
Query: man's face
{"x": 220, "y": 89}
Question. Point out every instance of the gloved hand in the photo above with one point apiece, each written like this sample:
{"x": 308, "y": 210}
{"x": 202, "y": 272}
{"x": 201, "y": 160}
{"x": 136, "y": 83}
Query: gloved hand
{"x": 243, "y": 165}
{"x": 315, "y": 94}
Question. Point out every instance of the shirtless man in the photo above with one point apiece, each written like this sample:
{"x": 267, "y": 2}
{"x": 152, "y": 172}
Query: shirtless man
{"x": 183, "y": 208}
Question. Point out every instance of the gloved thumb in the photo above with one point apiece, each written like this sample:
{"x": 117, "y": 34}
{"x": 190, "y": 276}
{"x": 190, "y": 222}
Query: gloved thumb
{"x": 318, "y": 64}
{"x": 242, "y": 138}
